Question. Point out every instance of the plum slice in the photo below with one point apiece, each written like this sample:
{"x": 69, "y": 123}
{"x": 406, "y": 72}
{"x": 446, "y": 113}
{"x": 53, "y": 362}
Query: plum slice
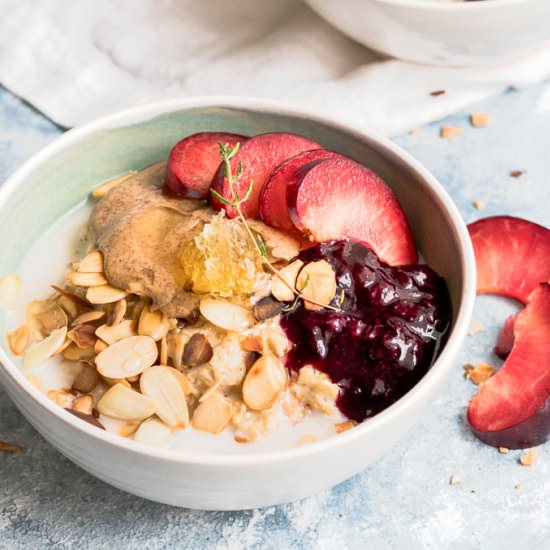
{"x": 339, "y": 198}
{"x": 512, "y": 256}
{"x": 273, "y": 205}
{"x": 258, "y": 157}
{"x": 193, "y": 162}
{"x": 512, "y": 409}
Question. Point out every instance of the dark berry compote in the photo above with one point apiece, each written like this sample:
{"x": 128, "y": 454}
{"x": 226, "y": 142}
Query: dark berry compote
{"x": 391, "y": 323}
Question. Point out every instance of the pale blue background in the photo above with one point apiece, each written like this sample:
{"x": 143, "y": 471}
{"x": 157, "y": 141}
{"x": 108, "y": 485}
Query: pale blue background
{"x": 404, "y": 501}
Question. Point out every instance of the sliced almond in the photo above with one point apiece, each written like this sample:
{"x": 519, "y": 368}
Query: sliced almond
{"x": 127, "y": 357}
{"x": 74, "y": 353}
{"x": 175, "y": 343}
{"x": 226, "y": 315}
{"x": 67, "y": 342}
{"x": 60, "y": 397}
{"x": 182, "y": 381}
{"x": 87, "y": 378}
{"x": 451, "y": 132}
{"x": 32, "y": 310}
{"x": 112, "y": 334}
{"x": 104, "y": 188}
{"x": 529, "y": 458}
{"x": 212, "y": 415}
{"x": 51, "y": 317}
{"x": 162, "y": 386}
{"x": 479, "y": 120}
{"x": 163, "y": 351}
{"x": 317, "y": 282}
{"x": 480, "y": 373}
{"x": 89, "y": 317}
{"x": 153, "y": 432}
{"x": 344, "y": 426}
{"x": 41, "y": 351}
{"x": 18, "y": 339}
{"x": 128, "y": 429}
{"x": 124, "y": 403}
{"x": 83, "y": 404}
{"x": 104, "y": 294}
{"x": 289, "y": 273}
{"x": 77, "y": 278}
{"x": 264, "y": 382}
{"x": 117, "y": 313}
{"x": 70, "y": 307}
{"x": 100, "y": 345}
{"x": 92, "y": 263}
{"x": 83, "y": 336}
{"x": 153, "y": 324}
{"x": 10, "y": 287}
{"x": 115, "y": 381}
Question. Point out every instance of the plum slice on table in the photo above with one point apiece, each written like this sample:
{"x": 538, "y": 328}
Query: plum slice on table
{"x": 273, "y": 205}
{"x": 258, "y": 157}
{"x": 512, "y": 256}
{"x": 193, "y": 162}
{"x": 512, "y": 409}
{"x": 339, "y": 198}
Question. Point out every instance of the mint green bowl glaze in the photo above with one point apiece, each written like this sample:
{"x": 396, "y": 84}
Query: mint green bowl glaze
{"x": 61, "y": 176}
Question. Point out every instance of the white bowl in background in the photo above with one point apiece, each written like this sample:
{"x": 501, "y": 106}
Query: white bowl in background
{"x": 443, "y": 32}
{"x": 60, "y": 177}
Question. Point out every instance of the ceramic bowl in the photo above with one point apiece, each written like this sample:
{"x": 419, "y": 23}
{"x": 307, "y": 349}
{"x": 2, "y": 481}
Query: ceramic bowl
{"x": 442, "y": 32}
{"x": 60, "y": 177}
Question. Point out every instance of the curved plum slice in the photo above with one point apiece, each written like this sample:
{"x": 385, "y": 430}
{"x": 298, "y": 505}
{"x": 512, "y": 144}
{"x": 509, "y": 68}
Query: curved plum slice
{"x": 273, "y": 205}
{"x": 505, "y": 341}
{"x": 258, "y": 157}
{"x": 512, "y": 256}
{"x": 340, "y": 198}
{"x": 193, "y": 162}
{"x": 512, "y": 409}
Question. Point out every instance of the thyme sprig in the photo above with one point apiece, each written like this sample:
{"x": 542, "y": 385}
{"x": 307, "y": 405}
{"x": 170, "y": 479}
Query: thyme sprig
{"x": 236, "y": 202}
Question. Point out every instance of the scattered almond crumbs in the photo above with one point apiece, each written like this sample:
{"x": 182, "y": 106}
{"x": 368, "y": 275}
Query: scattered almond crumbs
{"x": 503, "y": 450}
{"x": 451, "y": 132}
{"x": 478, "y": 205}
{"x": 479, "y": 120}
{"x": 480, "y": 373}
{"x": 529, "y": 458}
{"x": 344, "y": 426}
{"x": 475, "y": 327}
{"x": 455, "y": 480}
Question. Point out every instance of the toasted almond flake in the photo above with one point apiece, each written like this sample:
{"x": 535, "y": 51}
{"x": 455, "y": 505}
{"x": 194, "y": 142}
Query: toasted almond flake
{"x": 33, "y": 309}
{"x": 455, "y": 480}
{"x": 101, "y": 190}
{"x": 344, "y": 426}
{"x": 112, "y": 334}
{"x": 153, "y": 324}
{"x": 176, "y": 343}
{"x": 503, "y": 450}
{"x": 163, "y": 351}
{"x": 60, "y": 397}
{"x": 89, "y": 317}
{"x": 226, "y": 315}
{"x": 77, "y": 300}
{"x": 83, "y": 336}
{"x": 104, "y": 294}
{"x": 77, "y": 278}
{"x": 128, "y": 429}
{"x": 10, "y": 287}
{"x": 127, "y": 357}
{"x": 264, "y": 382}
{"x": 241, "y": 439}
{"x": 289, "y": 273}
{"x": 124, "y": 403}
{"x": 115, "y": 381}
{"x": 74, "y": 353}
{"x": 183, "y": 381}
{"x": 307, "y": 440}
{"x": 6, "y": 447}
{"x": 480, "y": 120}
{"x": 51, "y": 317}
{"x": 475, "y": 327}
{"x": 39, "y": 352}
{"x": 451, "y": 132}
{"x": 63, "y": 346}
{"x": 91, "y": 263}
{"x": 212, "y": 415}
{"x": 83, "y": 404}
{"x": 87, "y": 378}
{"x": 117, "y": 313}
{"x": 480, "y": 373}
{"x": 100, "y": 345}
{"x": 153, "y": 432}
{"x": 317, "y": 282}
{"x": 529, "y": 458}
{"x": 18, "y": 339}
{"x": 478, "y": 205}
{"x": 162, "y": 386}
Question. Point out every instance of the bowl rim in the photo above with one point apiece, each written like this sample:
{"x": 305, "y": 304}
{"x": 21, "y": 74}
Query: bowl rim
{"x": 438, "y": 370}
{"x": 453, "y": 6}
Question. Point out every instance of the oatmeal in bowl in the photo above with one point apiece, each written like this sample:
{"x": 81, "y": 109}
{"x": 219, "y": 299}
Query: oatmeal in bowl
{"x": 245, "y": 286}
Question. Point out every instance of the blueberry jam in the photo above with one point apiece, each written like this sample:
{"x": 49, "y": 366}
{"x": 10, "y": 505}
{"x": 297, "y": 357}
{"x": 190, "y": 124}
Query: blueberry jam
{"x": 390, "y": 327}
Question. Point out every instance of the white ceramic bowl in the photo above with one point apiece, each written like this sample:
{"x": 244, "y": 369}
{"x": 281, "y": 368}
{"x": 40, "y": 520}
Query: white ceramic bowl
{"x": 60, "y": 177}
{"x": 443, "y": 32}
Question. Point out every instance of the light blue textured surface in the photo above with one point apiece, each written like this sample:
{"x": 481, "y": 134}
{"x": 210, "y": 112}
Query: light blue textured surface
{"x": 404, "y": 501}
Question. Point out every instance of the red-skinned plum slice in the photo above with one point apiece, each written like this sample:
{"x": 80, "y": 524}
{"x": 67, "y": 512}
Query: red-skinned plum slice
{"x": 512, "y": 409}
{"x": 512, "y": 256}
{"x": 193, "y": 162}
{"x": 258, "y": 157}
{"x": 340, "y": 198}
{"x": 273, "y": 205}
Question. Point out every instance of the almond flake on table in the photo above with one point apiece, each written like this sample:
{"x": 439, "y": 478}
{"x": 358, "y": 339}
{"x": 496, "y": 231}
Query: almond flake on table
{"x": 480, "y": 373}
{"x": 503, "y": 450}
{"x": 479, "y": 120}
{"x": 451, "y": 132}
{"x": 529, "y": 458}
{"x": 455, "y": 480}
{"x": 475, "y": 327}
{"x": 478, "y": 205}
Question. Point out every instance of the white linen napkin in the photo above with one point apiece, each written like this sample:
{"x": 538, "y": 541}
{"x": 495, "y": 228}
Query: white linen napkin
{"x": 75, "y": 61}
